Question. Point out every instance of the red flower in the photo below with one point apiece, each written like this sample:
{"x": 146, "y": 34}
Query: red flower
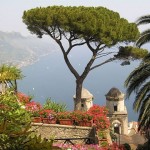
{"x": 47, "y": 113}
{"x": 64, "y": 115}
{"x": 33, "y": 106}
{"x": 23, "y": 98}
{"x": 80, "y": 115}
{"x": 100, "y": 116}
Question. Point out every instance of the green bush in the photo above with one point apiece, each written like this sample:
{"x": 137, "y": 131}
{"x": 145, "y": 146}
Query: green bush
{"x": 104, "y": 143}
{"x": 15, "y": 125}
{"x": 102, "y": 134}
{"x": 127, "y": 146}
{"x": 56, "y": 107}
{"x": 37, "y": 143}
{"x": 15, "y": 121}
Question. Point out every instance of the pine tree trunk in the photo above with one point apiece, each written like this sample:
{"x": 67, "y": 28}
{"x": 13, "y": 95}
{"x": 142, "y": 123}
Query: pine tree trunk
{"x": 15, "y": 86}
{"x": 77, "y": 105}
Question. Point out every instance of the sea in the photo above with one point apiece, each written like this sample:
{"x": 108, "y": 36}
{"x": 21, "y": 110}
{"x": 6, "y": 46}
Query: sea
{"x": 50, "y": 78}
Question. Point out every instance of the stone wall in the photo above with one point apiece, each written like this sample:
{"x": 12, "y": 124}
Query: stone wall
{"x": 64, "y": 131}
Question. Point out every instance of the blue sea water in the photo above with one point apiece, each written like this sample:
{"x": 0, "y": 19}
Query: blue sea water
{"x": 50, "y": 77}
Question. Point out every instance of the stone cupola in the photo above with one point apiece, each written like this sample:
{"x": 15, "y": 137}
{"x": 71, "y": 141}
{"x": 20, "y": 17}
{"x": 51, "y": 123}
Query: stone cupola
{"x": 114, "y": 94}
{"x": 115, "y": 100}
{"x": 117, "y": 111}
{"x": 86, "y": 100}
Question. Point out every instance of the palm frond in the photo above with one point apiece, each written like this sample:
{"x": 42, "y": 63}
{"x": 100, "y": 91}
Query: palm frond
{"x": 143, "y": 20}
{"x": 147, "y": 58}
{"x": 138, "y": 81}
{"x": 141, "y": 97}
{"x": 136, "y": 78}
{"x": 144, "y": 115}
{"x": 143, "y": 39}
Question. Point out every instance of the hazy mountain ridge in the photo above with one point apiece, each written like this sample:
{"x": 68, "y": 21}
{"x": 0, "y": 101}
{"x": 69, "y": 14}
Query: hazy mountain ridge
{"x": 20, "y": 50}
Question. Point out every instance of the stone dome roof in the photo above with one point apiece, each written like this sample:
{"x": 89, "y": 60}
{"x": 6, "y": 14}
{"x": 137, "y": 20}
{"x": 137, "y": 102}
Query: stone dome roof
{"x": 85, "y": 94}
{"x": 114, "y": 93}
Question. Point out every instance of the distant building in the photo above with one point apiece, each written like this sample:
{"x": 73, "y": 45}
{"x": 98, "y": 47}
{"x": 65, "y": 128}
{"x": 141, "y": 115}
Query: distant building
{"x": 86, "y": 100}
{"x": 117, "y": 111}
{"x": 132, "y": 128}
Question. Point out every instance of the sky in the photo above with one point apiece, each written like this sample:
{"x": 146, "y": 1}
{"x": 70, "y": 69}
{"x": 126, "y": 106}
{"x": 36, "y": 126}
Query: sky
{"x": 11, "y": 11}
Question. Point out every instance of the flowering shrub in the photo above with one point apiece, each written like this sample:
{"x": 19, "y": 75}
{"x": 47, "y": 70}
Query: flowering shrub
{"x": 97, "y": 110}
{"x": 64, "y": 115}
{"x": 114, "y": 146}
{"x": 86, "y": 116}
{"x": 102, "y": 122}
{"x": 34, "y": 108}
{"x": 80, "y": 115}
{"x": 101, "y": 134}
{"x": 100, "y": 116}
{"x": 23, "y": 98}
{"x": 78, "y": 147}
{"x": 47, "y": 113}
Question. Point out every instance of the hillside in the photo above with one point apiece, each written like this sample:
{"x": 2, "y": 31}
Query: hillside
{"x": 21, "y": 51}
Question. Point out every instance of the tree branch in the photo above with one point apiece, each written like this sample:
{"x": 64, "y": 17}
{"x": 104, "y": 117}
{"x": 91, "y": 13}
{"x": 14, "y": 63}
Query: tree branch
{"x": 104, "y": 54}
{"x": 107, "y": 61}
{"x": 71, "y": 46}
{"x": 89, "y": 46}
{"x": 71, "y": 68}
{"x": 88, "y": 66}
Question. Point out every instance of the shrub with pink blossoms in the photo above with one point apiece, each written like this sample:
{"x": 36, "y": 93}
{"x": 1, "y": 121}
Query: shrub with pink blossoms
{"x": 33, "y": 107}
{"x": 23, "y": 98}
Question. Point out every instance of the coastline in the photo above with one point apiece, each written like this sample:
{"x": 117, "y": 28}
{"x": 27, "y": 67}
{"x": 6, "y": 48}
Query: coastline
{"x": 30, "y": 61}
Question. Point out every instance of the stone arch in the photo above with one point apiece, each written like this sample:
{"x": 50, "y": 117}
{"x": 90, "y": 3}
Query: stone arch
{"x": 117, "y": 125}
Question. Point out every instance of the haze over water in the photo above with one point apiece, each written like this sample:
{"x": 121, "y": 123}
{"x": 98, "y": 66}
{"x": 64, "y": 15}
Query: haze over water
{"x": 50, "y": 77}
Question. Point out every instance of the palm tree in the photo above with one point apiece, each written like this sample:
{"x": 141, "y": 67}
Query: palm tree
{"x": 9, "y": 76}
{"x": 138, "y": 82}
{"x": 145, "y": 35}
{"x": 15, "y": 74}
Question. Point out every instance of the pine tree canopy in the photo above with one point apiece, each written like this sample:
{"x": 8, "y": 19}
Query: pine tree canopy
{"x": 93, "y": 24}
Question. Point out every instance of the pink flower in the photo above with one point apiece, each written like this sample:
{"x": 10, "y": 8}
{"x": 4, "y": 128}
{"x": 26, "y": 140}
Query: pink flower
{"x": 23, "y": 98}
{"x": 33, "y": 106}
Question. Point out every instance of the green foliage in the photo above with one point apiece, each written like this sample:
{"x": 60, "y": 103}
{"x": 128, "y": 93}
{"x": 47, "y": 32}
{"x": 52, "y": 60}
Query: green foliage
{"x": 131, "y": 52}
{"x": 138, "y": 83}
{"x": 14, "y": 121}
{"x": 127, "y": 146}
{"x": 145, "y": 35}
{"x": 113, "y": 135}
{"x": 95, "y": 23}
{"x": 56, "y": 107}
{"x": 8, "y": 76}
{"x": 35, "y": 142}
{"x": 36, "y": 114}
{"x": 12, "y": 116}
{"x": 101, "y": 134}
{"x": 25, "y": 142}
{"x": 104, "y": 143}
{"x": 15, "y": 127}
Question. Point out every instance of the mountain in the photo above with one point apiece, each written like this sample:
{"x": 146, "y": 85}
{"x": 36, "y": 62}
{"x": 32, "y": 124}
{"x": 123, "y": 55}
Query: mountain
{"x": 20, "y": 50}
